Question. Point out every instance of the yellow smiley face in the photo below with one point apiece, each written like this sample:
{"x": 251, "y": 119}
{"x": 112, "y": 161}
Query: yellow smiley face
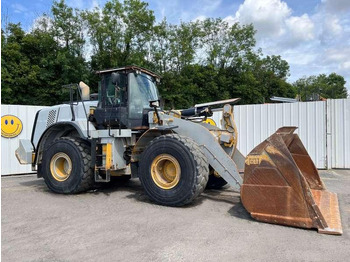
{"x": 11, "y": 126}
{"x": 210, "y": 121}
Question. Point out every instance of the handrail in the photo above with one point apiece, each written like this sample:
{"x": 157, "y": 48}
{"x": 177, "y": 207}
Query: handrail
{"x": 71, "y": 103}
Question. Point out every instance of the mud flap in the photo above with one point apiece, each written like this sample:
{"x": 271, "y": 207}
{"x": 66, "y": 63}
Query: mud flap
{"x": 282, "y": 186}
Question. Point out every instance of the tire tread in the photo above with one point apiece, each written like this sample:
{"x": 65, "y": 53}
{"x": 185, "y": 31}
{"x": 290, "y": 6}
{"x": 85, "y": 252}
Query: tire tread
{"x": 202, "y": 167}
{"x": 87, "y": 179}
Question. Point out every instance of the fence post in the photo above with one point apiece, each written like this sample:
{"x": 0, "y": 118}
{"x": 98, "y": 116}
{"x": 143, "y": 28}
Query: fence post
{"x": 329, "y": 133}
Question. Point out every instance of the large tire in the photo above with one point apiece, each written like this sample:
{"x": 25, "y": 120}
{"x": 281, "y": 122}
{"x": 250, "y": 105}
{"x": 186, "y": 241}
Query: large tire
{"x": 179, "y": 154}
{"x": 215, "y": 182}
{"x": 66, "y": 154}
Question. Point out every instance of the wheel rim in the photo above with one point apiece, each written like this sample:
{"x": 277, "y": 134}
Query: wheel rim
{"x": 60, "y": 166}
{"x": 165, "y": 171}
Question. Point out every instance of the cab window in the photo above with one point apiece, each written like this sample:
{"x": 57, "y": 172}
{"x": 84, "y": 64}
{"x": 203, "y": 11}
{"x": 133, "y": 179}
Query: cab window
{"x": 115, "y": 94}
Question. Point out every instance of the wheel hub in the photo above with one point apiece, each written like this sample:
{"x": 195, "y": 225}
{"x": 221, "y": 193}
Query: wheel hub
{"x": 60, "y": 166}
{"x": 165, "y": 171}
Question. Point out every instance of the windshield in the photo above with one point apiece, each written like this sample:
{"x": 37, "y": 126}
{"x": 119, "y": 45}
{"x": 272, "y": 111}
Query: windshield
{"x": 142, "y": 90}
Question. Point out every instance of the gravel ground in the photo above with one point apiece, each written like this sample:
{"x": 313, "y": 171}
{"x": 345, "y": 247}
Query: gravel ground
{"x": 119, "y": 223}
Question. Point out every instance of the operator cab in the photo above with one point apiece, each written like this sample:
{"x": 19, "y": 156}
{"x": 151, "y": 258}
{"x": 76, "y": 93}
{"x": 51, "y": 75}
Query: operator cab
{"x": 124, "y": 98}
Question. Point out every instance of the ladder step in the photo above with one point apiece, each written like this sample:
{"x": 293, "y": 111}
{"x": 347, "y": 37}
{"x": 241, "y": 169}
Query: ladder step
{"x": 99, "y": 178}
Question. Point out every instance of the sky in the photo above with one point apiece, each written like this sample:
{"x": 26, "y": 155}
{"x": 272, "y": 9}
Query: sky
{"x": 312, "y": 35}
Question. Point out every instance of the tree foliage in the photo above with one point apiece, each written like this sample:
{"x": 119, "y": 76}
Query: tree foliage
{"x": 35, "y": 65}
{"x": 199, "y": 61}
{"x": 331, "y": 86}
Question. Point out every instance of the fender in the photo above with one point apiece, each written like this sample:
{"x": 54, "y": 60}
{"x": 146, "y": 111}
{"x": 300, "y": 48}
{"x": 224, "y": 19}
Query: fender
{"x": 146, "y": 137}
{"x": 53, "y": 132}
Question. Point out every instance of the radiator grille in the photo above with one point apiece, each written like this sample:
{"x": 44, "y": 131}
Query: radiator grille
{"x": 51, "y": 118}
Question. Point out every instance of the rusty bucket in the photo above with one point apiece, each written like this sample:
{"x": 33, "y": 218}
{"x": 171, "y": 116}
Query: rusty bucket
{"x": 282, "y": 186}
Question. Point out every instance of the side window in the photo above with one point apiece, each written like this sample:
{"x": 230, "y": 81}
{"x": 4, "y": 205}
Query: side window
{"x": 136, "y": 104}
{"x": 141, "y": 90}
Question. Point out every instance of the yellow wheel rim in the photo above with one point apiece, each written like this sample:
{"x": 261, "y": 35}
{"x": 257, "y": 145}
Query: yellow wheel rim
{"x": 165, "y": 171}
{"x": 60, "y": 166}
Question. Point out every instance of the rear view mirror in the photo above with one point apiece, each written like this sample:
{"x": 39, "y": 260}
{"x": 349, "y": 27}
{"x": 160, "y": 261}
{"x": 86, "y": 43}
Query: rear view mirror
{"x": 154, "y": 103}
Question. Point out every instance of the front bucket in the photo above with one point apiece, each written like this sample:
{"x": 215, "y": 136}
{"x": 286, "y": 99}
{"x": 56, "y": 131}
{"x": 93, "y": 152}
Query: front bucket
{"x": 281, "y": 185}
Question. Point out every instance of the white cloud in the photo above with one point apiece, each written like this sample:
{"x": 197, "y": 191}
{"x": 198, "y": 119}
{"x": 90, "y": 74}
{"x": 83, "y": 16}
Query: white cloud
{"x": 18, "y": 8}
{"x": 345, "y": 65}
{"x": 199, "y": 18}
{"x": 230, "y": 20}
{"x": 300, "y": 56}
{"x": 338, "y": 55}
{"x": 331, "y": 26}
{"x": 272, "y": 18}
{"x": 313, "y": 43}
{"x": 268, "y": 16}
{"x": 336, "y": 59}
{"x": 301, "y": 27}
{"x": 336, "y": 6}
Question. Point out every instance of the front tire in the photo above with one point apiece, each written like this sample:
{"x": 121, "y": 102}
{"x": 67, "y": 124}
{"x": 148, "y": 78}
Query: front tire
{"x": 66, "y": 166}
{"x": 173, "y": 170}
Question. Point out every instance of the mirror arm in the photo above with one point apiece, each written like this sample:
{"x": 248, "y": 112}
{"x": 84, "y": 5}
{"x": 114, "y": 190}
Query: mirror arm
{"x": 155, "y": 105}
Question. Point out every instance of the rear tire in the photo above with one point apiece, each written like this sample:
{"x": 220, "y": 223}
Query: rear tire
{"x": 215, "y": 181}
{"x": 66, "y": 166}
{"x": 173, "y": 170}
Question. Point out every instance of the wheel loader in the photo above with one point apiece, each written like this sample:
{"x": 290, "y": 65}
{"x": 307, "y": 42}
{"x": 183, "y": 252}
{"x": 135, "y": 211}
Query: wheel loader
{"x": 176, "y": 154}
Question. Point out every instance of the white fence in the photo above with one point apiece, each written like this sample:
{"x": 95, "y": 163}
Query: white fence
{"x": 255, "y": 123}
{"x": 9, "y": 163}
{"x": 338, "y": 133}
{"x": 324, "y": 128}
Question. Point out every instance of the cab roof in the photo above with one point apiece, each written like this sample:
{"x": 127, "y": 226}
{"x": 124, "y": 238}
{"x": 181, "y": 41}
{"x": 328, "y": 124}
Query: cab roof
{"x": 129, "y": 68}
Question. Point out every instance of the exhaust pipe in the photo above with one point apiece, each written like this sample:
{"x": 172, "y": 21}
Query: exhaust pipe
{"x": 85, "y": 91}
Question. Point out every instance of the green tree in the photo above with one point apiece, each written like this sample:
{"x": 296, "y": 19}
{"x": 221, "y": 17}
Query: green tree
{"x": 35, "y": 66}
{"x": 68, "y": 32}
{"x": 120, "y": 33}
{"x": 335, "y": 87}
{"x": 228, "y": 46}
{"x": 67, "y": 26}
{"x": 193, "y": 84}
{"x": 331, "y": 86}
{"x": 199, "y": 61}
{"x": 271, "y": 73}
{"x": 276, "y": 65}
{"x": 184, "y": 41}
{"x": 17, "y": 72}
{"x": 160, "y": 47}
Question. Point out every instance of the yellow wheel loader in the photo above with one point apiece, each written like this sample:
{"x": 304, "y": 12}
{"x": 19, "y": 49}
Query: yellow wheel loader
{"x": 125, "y": 133}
